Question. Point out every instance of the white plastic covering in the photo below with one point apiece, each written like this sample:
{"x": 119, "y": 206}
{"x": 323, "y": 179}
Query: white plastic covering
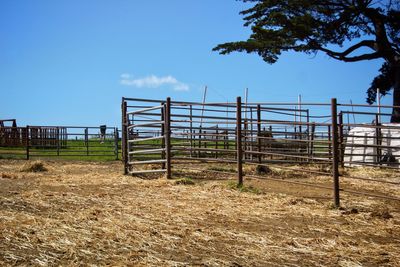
{"x": 367, "y": 154}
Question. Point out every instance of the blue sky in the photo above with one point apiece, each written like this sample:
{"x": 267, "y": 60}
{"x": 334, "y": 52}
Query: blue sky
{"x": 70, "y": 62}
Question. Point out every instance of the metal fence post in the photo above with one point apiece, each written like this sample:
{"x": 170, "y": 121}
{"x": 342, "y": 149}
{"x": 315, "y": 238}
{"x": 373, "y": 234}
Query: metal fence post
{"x": 308, "y": 135}
{"x": 312, "y": 137}
{"x": 378, "y": 140}
{"x": 335, "y": 148}
{"x": 116, "y": 140}
{"x": 239, "y": 151}
{"x": 168, "y": 136}
{"x": 216, "y": 141}
{"x": 191, "y": 130}
{"x": 163, "y": 118}
{"x": 27, "y": 142}
{"x": 259, "y": 132}
{"x": 124, "y": 136}
{"x": 341, "y": 139}
{"x": 329, "y": 141}
{"x": 87, "y": 141}
{"x": 58, "y": 141}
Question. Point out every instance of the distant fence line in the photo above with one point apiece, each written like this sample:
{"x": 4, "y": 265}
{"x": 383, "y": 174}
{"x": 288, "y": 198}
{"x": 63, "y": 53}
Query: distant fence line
{"x": 167, "y": 133}
{"x": 59, "y": 141}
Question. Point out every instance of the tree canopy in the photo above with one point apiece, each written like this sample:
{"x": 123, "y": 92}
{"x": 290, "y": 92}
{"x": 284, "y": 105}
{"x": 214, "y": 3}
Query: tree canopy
{"x": 346, "y": 30}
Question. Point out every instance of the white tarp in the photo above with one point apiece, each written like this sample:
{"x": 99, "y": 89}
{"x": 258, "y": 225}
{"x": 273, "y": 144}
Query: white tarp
{"x": 367, "y": 154}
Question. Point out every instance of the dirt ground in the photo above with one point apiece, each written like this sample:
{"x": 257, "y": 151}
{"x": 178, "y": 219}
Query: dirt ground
{"x": 85, "y": 213}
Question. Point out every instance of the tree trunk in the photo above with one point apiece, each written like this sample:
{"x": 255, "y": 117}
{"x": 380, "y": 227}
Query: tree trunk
{"x": 396, "y": 95}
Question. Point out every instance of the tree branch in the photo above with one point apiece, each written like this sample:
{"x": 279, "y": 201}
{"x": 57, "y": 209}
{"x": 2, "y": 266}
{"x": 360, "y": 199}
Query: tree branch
{"x": 364, "y": 43}
{"x": 359, "y": 58}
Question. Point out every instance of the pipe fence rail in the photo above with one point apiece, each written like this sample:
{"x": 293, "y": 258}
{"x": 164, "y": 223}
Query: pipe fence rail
{"x": 67, "y": 142}
{"x": 164, "y": 133}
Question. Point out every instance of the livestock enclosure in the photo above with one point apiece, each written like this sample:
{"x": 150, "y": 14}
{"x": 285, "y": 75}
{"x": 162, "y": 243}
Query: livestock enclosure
{"x": 161, "y": 136}
{"x": 65, "y": 142}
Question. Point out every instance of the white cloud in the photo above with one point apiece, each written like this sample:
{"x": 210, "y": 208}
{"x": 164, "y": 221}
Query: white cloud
{"x": 153, "y": 81}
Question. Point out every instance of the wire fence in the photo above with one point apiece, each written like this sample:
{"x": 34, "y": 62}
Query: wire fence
{"x": 165, "y": 133}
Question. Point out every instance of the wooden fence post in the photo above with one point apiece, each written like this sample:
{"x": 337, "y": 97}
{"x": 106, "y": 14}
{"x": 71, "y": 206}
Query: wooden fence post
{"x": 239, "y": 152}
{"x": 335, "y": 148}
{"x": 27, "y": 142}
{"x": 168, "y": 136}
{"x": 124, "y": 136}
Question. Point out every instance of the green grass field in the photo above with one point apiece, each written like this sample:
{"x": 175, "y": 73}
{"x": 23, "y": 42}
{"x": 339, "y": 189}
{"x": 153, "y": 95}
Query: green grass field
{"x": 74, "y": 150}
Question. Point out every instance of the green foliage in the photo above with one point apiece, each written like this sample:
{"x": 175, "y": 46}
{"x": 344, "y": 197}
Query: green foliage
{"x": 185, "y": 181}
{"x": 384, "y": 81}
{"x": 372, "y": 28}
{"x": 311, "y": 25}
{"x": 242, "y": 188}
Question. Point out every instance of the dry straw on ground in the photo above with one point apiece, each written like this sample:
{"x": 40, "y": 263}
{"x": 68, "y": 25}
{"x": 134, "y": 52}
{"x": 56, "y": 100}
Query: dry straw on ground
{"x": 34, "y": 166}
{"x": 91, "y": 214}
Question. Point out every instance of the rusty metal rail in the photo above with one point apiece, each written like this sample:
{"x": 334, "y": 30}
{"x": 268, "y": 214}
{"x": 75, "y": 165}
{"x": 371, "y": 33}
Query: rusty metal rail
{"x": 257, "y": 134}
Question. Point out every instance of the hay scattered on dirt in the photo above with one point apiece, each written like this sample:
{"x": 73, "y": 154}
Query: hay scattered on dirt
{"x": 34, "y": 166}
{"x": 90, "y": 214}
{"x": 185, "y": 181}
{"x": 382, "y": 214}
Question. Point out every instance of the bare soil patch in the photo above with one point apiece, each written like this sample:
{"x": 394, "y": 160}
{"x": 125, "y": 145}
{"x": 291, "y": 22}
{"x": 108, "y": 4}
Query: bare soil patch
{"x": 83, "y": 213}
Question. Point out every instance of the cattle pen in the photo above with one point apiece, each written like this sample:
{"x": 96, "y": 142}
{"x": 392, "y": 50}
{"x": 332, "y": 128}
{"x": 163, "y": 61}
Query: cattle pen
{"x": 161, "y": 136}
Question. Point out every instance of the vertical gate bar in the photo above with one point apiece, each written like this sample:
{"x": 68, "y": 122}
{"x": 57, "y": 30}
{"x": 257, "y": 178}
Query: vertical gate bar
{"x": 239, "y": 152}
{"x": 87, "y": 141}
{"x": 269, "y": 142}
{"x": 191, "y": 129}
{"x": 116, "y": 140}
{"x": 341, "y": 140}
{"x": 259, "y": 132}
{"x": 227, "y": 139}
{"x": 330, "y": 141}
{"x": 335, "y": 159}
{"x": 245, "y": 124}
{"x": 58, "y": 141}
{"x": 312, "y": 138}
{"x": 216, "y": 142}
{"x": 308, "y": 134}
{"x": 27, "y": 141}
{"x": 378, "y": 139}
{"x": 251, "y": 133}
{"x": 124, "y": 136}
{"x": 295, "y": 122}
{"x": 163, "y": 118}
{"x": 199, "y": 152}
{"x": 168, "y": 136}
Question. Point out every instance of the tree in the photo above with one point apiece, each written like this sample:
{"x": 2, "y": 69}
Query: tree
{"x": 367, "y": 29}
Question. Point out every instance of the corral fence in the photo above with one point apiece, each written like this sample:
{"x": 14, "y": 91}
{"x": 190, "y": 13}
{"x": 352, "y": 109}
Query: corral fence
{"x": 67, "y": 142}
{"x": 166, "y": 134}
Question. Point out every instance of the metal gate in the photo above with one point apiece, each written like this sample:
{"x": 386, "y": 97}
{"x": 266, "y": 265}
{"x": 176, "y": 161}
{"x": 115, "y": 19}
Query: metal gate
{"x": 146, "y": 137}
